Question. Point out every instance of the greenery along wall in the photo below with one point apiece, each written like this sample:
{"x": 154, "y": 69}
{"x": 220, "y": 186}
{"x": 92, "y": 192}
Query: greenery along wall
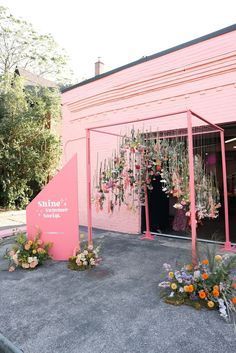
{"x": 29, "y": 150}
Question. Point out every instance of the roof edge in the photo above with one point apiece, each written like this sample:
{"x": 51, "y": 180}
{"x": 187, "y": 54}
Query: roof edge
{"x": 154, "y": 56}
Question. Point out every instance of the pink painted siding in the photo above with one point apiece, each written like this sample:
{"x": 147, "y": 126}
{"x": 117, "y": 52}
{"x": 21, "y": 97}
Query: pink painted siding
{"x": 201, "y": 77}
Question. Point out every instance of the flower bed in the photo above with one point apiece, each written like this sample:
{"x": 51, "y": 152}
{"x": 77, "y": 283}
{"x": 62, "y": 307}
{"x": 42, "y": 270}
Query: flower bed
{"x": 27, "y": 254}
{"x": 210, "y": 284}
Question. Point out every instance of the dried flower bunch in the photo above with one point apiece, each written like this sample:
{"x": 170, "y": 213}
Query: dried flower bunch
{"x": 27, "y": 253}
{"x": 84, "y": 259}
{"x": 140, "y": 159}
{"x": 210, "y": 284}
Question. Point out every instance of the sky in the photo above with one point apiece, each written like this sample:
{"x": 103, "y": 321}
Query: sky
{"x": 121, "y": 31}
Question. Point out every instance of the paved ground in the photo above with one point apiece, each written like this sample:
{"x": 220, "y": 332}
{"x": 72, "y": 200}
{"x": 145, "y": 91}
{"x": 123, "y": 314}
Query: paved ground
{"x": 113, "y": 309}
{"x": 10, "y": 219}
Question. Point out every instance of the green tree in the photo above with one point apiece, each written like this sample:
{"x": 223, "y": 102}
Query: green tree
{"x": 22, "y": 46}
{"x": 29, "y": 150}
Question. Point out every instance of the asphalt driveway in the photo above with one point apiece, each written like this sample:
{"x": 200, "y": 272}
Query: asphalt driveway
{"x": 114, "y": 308}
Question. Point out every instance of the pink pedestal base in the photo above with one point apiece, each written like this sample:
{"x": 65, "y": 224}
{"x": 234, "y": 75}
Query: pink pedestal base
{"x": 228, "y": 247}
{"x": 147, "y": 236}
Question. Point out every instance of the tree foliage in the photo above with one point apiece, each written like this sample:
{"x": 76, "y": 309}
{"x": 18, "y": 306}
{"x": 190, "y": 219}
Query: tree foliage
{"x": 22, "y": 46}
{"x": 29, "y": 151}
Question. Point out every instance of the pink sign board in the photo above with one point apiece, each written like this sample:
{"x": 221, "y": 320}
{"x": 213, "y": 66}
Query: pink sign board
{"x": 54, "y": 211}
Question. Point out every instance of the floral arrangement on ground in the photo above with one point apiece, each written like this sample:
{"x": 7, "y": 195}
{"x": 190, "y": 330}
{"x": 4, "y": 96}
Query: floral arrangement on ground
{"x": 84, "y": 259}
{"x": 209, "y": 284}
{"x": 27, "y": 253}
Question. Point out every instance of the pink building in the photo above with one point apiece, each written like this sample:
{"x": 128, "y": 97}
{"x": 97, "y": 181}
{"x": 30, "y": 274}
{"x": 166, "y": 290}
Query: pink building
{"x": 199, "y": 75}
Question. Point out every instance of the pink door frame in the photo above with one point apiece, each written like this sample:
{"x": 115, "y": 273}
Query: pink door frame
{"x": 189, "y": 115}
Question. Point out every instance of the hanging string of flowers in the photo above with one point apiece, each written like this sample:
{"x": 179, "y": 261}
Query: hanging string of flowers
{"x": 143, "y": 156}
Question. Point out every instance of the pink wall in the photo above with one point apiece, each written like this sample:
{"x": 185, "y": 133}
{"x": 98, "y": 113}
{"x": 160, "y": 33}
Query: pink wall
{"x": 201, "y": 77}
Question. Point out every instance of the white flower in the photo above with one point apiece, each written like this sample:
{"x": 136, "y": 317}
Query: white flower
{"x": 164, "y": 189}
{"x": 167, "y": 267}
{"x": 85, "y": 252}
{"x": 85, "y": 263}
{"x": 78, "y": 262}
{"x": 95, "y": 254}
{"x": 92, "y": 261}
{"x": 222, "y": 309}
{"x": 178, "y": 206}
{"x": 181, "y": 290}
{"x": 177, "y": 274}
{"x": 15, "y": 258}
{"x": 196, "y": 274}
{"x": 172, "y": 294}
{"x": 180, "y": 280}
{"x": 30, "y": 259}
{"x": 164, "y": 284}
{"x": 90, "y": 247}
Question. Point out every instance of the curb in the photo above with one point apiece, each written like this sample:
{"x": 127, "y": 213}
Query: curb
{"x": 7, "y": 347}
{"x": 10, "y": 231}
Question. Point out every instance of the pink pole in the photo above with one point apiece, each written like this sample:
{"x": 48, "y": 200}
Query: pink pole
{"x": 89, "y": 203}
{"x": 148, "y": 234}
{"x": 227, "y": 245}
{"x": 192, "y": 188}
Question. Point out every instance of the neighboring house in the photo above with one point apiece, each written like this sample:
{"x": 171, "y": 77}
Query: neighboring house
{"x": 199, "y": 75}
{"x": 33, "y": 80}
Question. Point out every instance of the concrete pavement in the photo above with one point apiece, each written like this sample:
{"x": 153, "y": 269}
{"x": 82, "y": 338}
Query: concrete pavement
{"x": 114, "y": 308}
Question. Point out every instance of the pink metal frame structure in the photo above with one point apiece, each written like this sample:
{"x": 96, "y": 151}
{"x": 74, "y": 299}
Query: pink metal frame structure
{"x": 189, "y": 134}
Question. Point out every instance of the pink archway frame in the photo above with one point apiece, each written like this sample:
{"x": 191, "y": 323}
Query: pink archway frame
{"x": 189, "y": 116}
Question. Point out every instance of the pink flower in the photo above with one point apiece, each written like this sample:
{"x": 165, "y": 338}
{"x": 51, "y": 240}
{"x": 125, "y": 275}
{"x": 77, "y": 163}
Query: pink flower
{"x": 33, "y": 264}
{"x": 78, "y": 262}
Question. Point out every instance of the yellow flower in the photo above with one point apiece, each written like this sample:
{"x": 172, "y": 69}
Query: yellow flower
{"x": 34, "y": 251}
{"x": 205, "y": 262}
{"x": 210, "y": 304}
{"x": 218, "y": 258}
{"x": 81, "y": 236}
{"x": 186, "y": 289}
{"x": 173, "y": 286}
{"x": 171, "y": 274}
{"x": 30, "y": 242}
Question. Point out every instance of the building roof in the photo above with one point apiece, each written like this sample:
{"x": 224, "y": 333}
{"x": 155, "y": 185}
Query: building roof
{"x": 33, "y": 79}
{"x": 154, "y": 56}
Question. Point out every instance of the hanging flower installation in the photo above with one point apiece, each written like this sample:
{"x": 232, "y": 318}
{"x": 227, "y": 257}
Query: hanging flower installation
{"x": 141, "y": 157}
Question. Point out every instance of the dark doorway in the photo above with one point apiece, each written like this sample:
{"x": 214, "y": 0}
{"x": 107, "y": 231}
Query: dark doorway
{"x": 158, "y": 203}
